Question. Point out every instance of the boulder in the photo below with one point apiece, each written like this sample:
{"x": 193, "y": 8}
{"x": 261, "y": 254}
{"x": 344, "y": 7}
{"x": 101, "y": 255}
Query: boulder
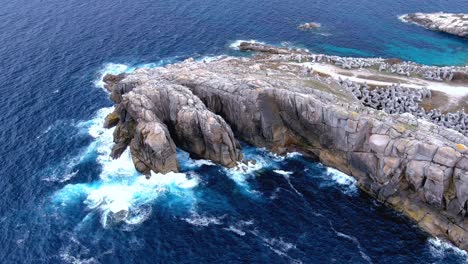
{"x": 309, "y": 26}
{"x": 447, "y": 156}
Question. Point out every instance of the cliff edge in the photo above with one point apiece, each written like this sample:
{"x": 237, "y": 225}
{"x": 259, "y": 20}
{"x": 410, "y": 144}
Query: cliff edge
{"x": 275, "y": 100}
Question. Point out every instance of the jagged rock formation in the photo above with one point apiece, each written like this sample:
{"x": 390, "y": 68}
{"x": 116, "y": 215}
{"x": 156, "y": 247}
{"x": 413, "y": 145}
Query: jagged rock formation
{"x": 152, "y": 116}
{"x": 456, "y": 24}
{"x": 272, "y": 101}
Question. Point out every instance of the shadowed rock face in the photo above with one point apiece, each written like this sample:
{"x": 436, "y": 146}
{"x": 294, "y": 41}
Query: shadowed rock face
{"x": 156, "y": 115}
{"x": 456, "y": 24}
{"x": 272, "y": 101}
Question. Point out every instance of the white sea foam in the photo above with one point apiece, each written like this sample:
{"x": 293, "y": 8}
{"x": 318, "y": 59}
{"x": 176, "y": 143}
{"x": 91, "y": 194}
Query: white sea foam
{"x": 278, "y": 158}
{"x": 235, "y": 230}
{"x": 242, "y": 172}
{"x": 111, "y": 68}
{"x": 439, "y": 249}
{"x": 357, "y": 243}
{"x": 246, "y": 223}
{"x": 344, "y": 180}
{"x": 187, "y": 163}
{"x": 73, "y": 251}
{"x": 236, "y": 44}
{"x": 293, "y": 155}
{"x": 118, "y": 68}
{"x": 66, "y": 177}
{"x": 203, "y": 220}
{"x": 47, "y": 130}
{"x": 403, "y": 18}
{"x": 210, "y": 58}
{"x": 121, "y": 193}
{"x": 262, "y": 159}
{"x": 238, "y": 227}
{"x": 278, "y": 245}
{"x": 68, "y": 258}
{"x": 286, "y": 175}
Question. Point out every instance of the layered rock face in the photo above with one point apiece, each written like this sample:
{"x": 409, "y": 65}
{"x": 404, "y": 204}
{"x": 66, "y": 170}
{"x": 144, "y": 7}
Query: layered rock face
{"x": 456, "y": 24}
{"x": 154, "y": 115}
{"x": 272, "y": 101}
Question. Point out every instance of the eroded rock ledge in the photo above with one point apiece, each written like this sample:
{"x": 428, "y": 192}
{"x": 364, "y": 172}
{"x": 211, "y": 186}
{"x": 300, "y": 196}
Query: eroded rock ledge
{"x": 272, "y": 101}
{"x": 456, "y": 24}
{"x": 153, "y": 115}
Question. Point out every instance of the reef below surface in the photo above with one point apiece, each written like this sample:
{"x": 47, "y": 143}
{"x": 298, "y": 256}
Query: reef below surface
{"x": 280, "y": 100}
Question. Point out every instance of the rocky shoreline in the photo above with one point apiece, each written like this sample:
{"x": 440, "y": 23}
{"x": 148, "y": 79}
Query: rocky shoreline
{"x": 274, "y": 101}
{"x": 455, "y": 24}
{"x": 390, "y": 66}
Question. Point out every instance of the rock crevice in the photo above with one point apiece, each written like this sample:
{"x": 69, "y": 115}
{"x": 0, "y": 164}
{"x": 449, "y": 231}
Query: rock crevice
{"x": 157, "y": 115}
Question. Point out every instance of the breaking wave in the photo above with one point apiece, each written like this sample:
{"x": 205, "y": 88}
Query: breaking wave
{"x": 187, "y": 163}
{"x": 236, "y": 44}
{"x": 441, "y": 249}
{"x": 348, "y": 183}
{"x": 121, "y": 194}
{"x": 118, "y": 68}
{"x": 256, "y": 160}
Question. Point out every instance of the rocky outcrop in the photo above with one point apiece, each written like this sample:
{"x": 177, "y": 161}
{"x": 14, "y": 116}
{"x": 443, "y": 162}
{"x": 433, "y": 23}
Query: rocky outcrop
{"x": 397, "y": 67}
{"x": 456, "y": 24}
{"x": 271, "y": 101}
{"x": 309, "y": 26}
{"x": 252, "y": 46}
{"x": 156, "y": 115}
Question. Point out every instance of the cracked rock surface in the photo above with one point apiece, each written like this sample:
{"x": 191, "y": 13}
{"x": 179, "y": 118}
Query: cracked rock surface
{"x": 270, "y": 101}
{"x": 155, "y": 115}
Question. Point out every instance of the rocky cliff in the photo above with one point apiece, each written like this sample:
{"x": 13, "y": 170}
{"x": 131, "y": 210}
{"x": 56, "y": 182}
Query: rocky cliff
{"x": 273, "y": 101}
{"x": 456, "y": 24}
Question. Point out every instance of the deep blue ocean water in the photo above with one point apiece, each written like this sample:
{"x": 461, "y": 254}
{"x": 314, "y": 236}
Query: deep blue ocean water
{"x": 57, "y": 183}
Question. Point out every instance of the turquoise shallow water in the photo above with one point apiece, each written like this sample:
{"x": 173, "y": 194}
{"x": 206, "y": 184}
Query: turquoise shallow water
{"x": 58, "y": 184}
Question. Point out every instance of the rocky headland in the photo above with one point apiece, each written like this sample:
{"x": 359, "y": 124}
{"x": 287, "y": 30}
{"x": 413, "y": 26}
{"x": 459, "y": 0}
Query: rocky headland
{"x": 292, "y": 100}
{"x": 456, "y": 24}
